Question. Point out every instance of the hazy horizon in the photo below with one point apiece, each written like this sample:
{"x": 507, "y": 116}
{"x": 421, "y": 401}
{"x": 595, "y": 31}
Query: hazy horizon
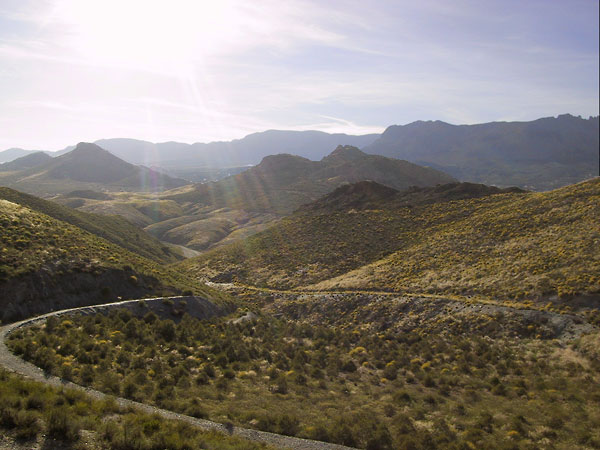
{"x": 191, "y": 71}
{"x": 257, "y": 132}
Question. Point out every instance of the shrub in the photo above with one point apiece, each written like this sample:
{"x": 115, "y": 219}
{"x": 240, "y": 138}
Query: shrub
{"x": 196, "y": 411}
{"x": 60, "y": 424}
{"x": 390, "y": 371}
{"x": 281, "y": 387}
{"x": 168, "y": 302}
{"x": 150, "y": 317}
{"x": 167, "y": 330}
{"x": 380, "y": 439}
{"x": 288, "y": 425}
{"x": 28, "y": 425}
{"x": 348, "y": 366}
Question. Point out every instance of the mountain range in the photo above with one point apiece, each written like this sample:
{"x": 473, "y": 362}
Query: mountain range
{"x": 85, "y": 167}
{"x": 221, "y": 154}
{"x": 542, "y": 154}
{"x": 26, "y": 162}
{"x": 249, "y": 150}
{"x": 200, "y": 216}
{"x": 14, "y": 153}
{"x": 281, "y": 183}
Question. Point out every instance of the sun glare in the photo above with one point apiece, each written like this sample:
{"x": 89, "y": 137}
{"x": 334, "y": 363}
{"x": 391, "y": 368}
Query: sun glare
{"x": 152, "y": 34}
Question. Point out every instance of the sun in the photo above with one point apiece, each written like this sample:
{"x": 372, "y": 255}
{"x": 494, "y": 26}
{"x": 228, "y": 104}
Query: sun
{"x": 150, "y": 34}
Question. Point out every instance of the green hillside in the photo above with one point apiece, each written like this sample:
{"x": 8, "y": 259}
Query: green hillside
{"x": 509, "y": 246}
{"x": 48, "y": 264}
{"x": 112, "y": 228}
{"x": 506, "y": 245}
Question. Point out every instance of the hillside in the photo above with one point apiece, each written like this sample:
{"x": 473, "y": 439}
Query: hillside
{"x": 541, "y": 154}
{"x": 371, "y": 195}
{"x": 13, "y": 153}
{"x": 230, "y": 209}
{"x": 48, "y": 264}
{"x": 502, "y": 244}
{"x": 282, "y": 183}
{"x": 112, "y": 228}
{"x": 26, "y": 162}
{"x": 87, "y": 167}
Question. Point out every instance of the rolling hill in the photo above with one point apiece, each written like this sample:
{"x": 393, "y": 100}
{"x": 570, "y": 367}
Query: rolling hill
{"x": 48, "y": 264}
{"x": 201, "y": 216}
{"x": 282, "y": 183}
{"x": 456, "y": 239}
{"x": 87, "y": 167}
{"x": 233, "y": 208}
{"x": 26, "y": 162}
{"x": 112, "y": 228}
{"x": 13, "y": 153}
{"x": 541, "y": 154}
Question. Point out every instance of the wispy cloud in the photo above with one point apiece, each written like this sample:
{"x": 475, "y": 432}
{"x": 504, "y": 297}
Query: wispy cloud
{"x": 195, "y": 71}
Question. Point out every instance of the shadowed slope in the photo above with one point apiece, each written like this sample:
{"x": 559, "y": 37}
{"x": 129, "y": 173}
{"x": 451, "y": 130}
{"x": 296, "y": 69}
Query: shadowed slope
{"x": 48, "y": 264}
{"x": 541, "y": 154}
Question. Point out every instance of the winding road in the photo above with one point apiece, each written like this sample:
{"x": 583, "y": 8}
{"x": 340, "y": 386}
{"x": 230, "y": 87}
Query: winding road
{"x": 12, "y": 363}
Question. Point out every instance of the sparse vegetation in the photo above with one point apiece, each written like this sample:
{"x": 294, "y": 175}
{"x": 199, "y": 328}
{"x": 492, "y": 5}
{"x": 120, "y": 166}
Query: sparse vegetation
{"x": 44, "y": 258}
{"x": 112, "y": 228}
{"x": 359, "y": 373}
{"x": 523, "y": 246}
{"x": 30, "y": 411}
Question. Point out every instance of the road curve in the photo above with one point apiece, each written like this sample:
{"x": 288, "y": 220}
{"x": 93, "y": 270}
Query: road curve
{"x": 12, "y": 363}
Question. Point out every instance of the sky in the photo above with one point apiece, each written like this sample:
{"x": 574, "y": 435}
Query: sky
{"x": 199, "y": 71}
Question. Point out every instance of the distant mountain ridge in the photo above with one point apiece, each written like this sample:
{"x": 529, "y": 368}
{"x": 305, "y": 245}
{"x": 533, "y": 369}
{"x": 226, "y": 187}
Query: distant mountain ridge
{"x": 249, "y": 150}
{"x": 26, "y": 162}
{"x": 86, "y": 167}
{"x": 281, "y": 183}
{"x": 541, "y": 154}
{"x": 14, "y": 153}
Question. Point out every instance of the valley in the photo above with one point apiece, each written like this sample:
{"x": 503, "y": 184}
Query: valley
{"x": 358, "y": 301}
{"x": 299, "y": 225}
{"x": 449, "y": 240}
{"x": 204, "y": 215}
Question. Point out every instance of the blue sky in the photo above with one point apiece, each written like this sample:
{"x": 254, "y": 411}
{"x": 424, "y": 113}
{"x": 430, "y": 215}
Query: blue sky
{"x": 197, "y": 71}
